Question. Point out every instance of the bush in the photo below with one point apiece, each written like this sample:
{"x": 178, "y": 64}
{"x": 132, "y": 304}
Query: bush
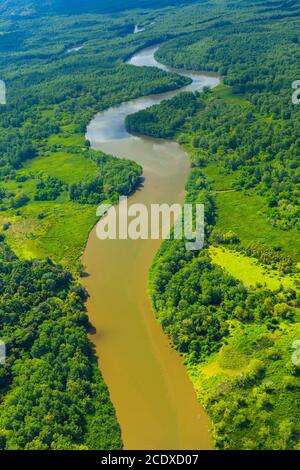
{"x": 19, "y": 200}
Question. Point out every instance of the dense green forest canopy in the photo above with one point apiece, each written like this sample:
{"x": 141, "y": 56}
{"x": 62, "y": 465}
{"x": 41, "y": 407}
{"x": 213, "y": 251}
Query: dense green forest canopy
{"x": 52, "y": 396}
{"x": 243, "y": 140}
{"x": 33, "y": 7}
{"x": 259, "y": 142}
{"x": 244, "y": 335}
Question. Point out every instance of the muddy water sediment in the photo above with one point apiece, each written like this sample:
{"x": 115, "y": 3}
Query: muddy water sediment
{"x": 155, "y": 401}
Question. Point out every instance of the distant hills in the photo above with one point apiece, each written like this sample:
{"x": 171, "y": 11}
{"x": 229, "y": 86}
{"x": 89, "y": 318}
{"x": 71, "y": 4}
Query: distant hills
{"x": 44, "y": 7}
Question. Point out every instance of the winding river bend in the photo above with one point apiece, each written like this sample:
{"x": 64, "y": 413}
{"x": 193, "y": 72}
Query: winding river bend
{"x": 155, "y": 402}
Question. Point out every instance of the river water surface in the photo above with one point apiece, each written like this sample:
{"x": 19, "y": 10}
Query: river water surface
{"x": 155, "y": 401}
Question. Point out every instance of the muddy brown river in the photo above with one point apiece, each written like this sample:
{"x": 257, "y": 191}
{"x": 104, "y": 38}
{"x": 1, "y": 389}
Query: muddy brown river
{"x": 154, "y": 399}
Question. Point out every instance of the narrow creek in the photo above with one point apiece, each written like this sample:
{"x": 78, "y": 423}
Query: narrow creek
{"x": 154, "y": 399}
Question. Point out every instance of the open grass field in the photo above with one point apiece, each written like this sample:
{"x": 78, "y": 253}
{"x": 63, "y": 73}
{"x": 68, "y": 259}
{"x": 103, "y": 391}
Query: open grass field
{"x": 70, "y": 167}
{"x": 248, "y": 270}
{"x": 272, "y": 398}
{"x": 235, "y": 357}
{"x": 245, "y": 214}
{"x": 60, "y": 235}
{"x": 224, "y": 92}
{"x": 51, "y": 229}
{"x": 221, "y": 180}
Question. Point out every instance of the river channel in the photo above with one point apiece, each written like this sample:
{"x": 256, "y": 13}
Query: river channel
{"x": 154, "y": 399}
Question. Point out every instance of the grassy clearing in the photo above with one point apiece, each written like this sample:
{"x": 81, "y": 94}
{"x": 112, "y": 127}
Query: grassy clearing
{"x": 224, "y": 92}
{"x": 60, "y": 235}
{"x": 248, "y": 270}
{"x": 270, "y": 397}
{"x": 68, "y": 167}
{"x": 67, "y": 140}
{"x": 221, "y": 181}
{"x": 245, "y": 344}
{"x": 231, "y": 361}
{"x": 215, "y": 368}
{"x": 51, "y": 229}
{"x": 245, "y": 214}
